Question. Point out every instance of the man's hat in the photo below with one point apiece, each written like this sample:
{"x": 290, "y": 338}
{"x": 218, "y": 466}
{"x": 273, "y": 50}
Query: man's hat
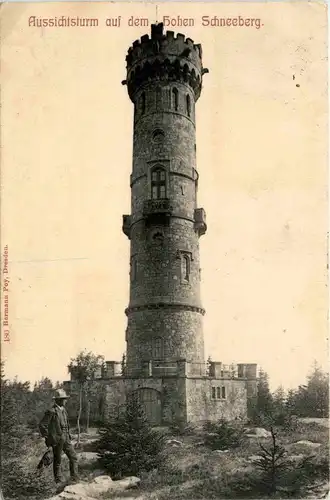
{"x": 60, "y": 394}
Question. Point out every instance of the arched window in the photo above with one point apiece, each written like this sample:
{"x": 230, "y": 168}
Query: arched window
{"x": 188, "y": 105}
{"x": 158, "y": 183}
{"x": 143, "y": 103}
{"x": 158, "y": 135}
{"x": 175, "y": 98}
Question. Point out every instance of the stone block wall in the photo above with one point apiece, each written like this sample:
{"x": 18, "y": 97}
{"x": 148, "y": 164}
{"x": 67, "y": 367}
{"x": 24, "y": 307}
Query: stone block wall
{"x": 182, "y": 399}
{"x": 202, "y": 406}
{"x": 171, "y": 393}
{"x": 180, "y": 391}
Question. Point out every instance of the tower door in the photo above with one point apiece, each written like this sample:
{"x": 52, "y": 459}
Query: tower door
{"x": 151, "y": 403}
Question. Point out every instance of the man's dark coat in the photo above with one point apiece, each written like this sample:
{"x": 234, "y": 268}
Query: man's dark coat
{"x": 51, "y": 426}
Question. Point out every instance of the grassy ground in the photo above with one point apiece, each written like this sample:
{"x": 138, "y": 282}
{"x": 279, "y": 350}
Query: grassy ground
{"x": 192, "y": 471}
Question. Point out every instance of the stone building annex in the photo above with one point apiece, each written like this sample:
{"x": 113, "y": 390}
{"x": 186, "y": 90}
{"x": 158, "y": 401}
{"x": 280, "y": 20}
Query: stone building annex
{"x": 165, "y": 364}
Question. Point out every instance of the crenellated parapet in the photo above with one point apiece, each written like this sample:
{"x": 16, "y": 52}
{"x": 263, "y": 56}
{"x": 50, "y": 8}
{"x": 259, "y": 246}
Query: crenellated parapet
{"x": 164, "y": 57}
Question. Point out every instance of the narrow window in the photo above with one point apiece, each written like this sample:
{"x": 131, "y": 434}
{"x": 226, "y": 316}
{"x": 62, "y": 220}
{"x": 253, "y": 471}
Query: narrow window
{"x": 133, "y": 268}
{"x": 188, "y": 104}
{"x": 223, "y": 392}
{"x": 158, "y": 184}
{"x": 185, "y": 267}
{"x": 143, "y": 103}
{"x": 218, "y": 393}
{"x": 154, "y": 193}
{"x": 221, "y": 373}
{"x": 157, "y": 348}
{"x": 175, "y": 98}
{"x": 158, "y": 97}
{"x": 213, "y": 393}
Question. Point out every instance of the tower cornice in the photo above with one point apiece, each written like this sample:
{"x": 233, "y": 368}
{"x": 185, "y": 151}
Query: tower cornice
{"x": 165, "y": 305}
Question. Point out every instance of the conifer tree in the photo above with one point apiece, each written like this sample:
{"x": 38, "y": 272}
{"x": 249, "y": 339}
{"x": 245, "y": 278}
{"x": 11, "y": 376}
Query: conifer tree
{"x": 264, "y": 402}
{"x": 317, "y": 400}
{"x": 19, "y": 480}
{"x": 279, "y": 408}
{"x": 290, "y": 402}
{"x": 128, "y": 444}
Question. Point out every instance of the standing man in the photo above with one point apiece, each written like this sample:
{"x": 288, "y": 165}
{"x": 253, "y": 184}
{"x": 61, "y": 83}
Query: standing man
{"x": 54, "y": 427}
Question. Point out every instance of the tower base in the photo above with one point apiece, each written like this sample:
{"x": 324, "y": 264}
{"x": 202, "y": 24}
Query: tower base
{"x": 175, "y": 399}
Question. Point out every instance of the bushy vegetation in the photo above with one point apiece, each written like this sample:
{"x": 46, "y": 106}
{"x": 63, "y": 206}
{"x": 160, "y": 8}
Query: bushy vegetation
{"x": 19, "y": 477}
{"x": 276, "y": 469}
{"x": 22, "y": 408}
{"x": 128, "y": 445}
{"x": 222, "y": 435}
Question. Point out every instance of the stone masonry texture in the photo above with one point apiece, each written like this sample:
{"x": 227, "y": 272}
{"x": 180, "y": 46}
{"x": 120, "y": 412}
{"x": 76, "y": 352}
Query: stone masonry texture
{"x": 165, "y": 363}
{"x": 165, "y": 301}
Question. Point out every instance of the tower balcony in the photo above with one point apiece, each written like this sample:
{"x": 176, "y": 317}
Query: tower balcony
{"x": 200, "y": 221}
{"x": 157, "y": 211}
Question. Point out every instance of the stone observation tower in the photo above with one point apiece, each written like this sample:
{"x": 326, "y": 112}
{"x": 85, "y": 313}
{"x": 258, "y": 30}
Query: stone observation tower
{"x": 165, "y": 364}
{"x": 164, "y": 81}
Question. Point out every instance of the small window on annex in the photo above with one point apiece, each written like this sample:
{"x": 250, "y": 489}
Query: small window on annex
{"x": 219, "y": 392}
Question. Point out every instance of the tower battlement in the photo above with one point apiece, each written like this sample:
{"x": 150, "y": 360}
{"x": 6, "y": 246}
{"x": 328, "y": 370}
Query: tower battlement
{"x": 164, "y": 56}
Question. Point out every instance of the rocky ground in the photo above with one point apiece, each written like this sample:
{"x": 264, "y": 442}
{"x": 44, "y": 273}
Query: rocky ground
{"x": 191, "y": 471}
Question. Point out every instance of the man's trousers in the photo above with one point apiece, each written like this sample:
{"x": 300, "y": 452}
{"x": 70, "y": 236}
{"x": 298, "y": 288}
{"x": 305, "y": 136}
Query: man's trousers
{"x": 65, "y": 446}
